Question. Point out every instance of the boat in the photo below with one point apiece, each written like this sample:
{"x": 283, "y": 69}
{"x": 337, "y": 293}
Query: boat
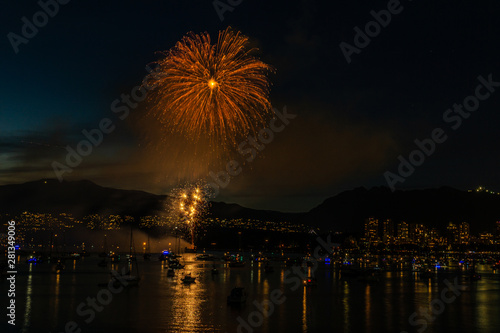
{"x": 369, "y": 275}
{"x": 214, "y": 270}
{"x": 474, "y": 276}
{"x": 260, "y": 258}
{"x": 426, "y": 273}
{"x": 236, "y": 261}
{"x": 60, "y": 265}
{"x": 114, "y": 257}
{"x": 174, "y": 263}
{"x": 189, "y": 250}
{"x": 496, "y": 266}
{"x": 131, "y": 279}
{"x": 309, "y": 282}
{"x": 104, "y": 254}
{"x": 205, "y": 257}
{"x": 34, "y": 260}
{"x": 128, "y": 278}
{"x": 188, "y": 279}
{"x": 166, "y": 255}
{"x": 237, "y": 296}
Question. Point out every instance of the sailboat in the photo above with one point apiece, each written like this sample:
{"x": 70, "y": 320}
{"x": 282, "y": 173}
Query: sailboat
{"x": 60, "y": 265}
{"x": 60, "y": 260}
{"x": 214, "y": 269}
{"x": 128, "y": 277}
{"x": 104, "y": 254}
{"x": 268, "y": 268}
{"x": 188, "y": 279}
{"x": 473, "y": 276}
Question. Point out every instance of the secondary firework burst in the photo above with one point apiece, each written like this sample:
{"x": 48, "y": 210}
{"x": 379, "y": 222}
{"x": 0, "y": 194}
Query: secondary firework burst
{"x": 187, "y": 206}
{"x": 217, "y": 92}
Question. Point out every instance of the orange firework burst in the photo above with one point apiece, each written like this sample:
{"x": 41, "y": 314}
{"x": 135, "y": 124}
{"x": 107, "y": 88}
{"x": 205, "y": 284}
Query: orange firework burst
{"x": 218, "y": 91}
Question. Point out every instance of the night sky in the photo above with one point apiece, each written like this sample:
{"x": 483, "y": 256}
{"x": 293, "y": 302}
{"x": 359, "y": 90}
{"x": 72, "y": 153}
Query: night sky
{"x": 353, "y": 119}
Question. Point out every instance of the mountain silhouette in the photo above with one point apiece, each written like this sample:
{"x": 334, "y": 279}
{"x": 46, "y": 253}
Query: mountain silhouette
{"x": 344, "y": 212}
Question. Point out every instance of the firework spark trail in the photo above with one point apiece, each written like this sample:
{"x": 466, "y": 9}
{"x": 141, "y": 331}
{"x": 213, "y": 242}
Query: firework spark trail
{"x": 187, "y": 205}
{"x": 218, "y": 91}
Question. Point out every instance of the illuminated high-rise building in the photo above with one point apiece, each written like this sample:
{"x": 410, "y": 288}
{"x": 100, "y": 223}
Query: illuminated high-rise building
{"x": 464, "y": 233}
{"x": 371, "y": 230}
{"x": 434, "y": 237}
{"x": 486, "y": 238}
{"x": 388, "y": 231}
{"x": 403, "y": 232}
{"x": 452, "y": 235}
{"x": 418, "y": 233}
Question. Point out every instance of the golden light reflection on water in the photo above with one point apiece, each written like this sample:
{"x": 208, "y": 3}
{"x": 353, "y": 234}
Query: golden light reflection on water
{"x": 485, "y": 316}
{"x": 171, "y": 306}
{"x": 368, "y": 308}
{"x": 186, "y": 307}
{"x": 421, "y": 288}
{"x": 163, "y": 273}
{"x": 56, "y": 296}
{"x": 27, "y": 310}
{"x": 304, "y": 310}
{"x": 226, "y": 275}
{"x": 238, "y": 280}
{"x": 345, "y": 302}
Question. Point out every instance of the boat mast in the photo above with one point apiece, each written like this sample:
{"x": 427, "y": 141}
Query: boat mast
{"x": 148, "y": 248}
{"x": 131, "y": 240}
{"x": 50, "y": 246}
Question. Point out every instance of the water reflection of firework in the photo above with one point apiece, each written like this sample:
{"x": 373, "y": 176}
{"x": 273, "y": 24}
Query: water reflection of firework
{"x": 187, "y": 206}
